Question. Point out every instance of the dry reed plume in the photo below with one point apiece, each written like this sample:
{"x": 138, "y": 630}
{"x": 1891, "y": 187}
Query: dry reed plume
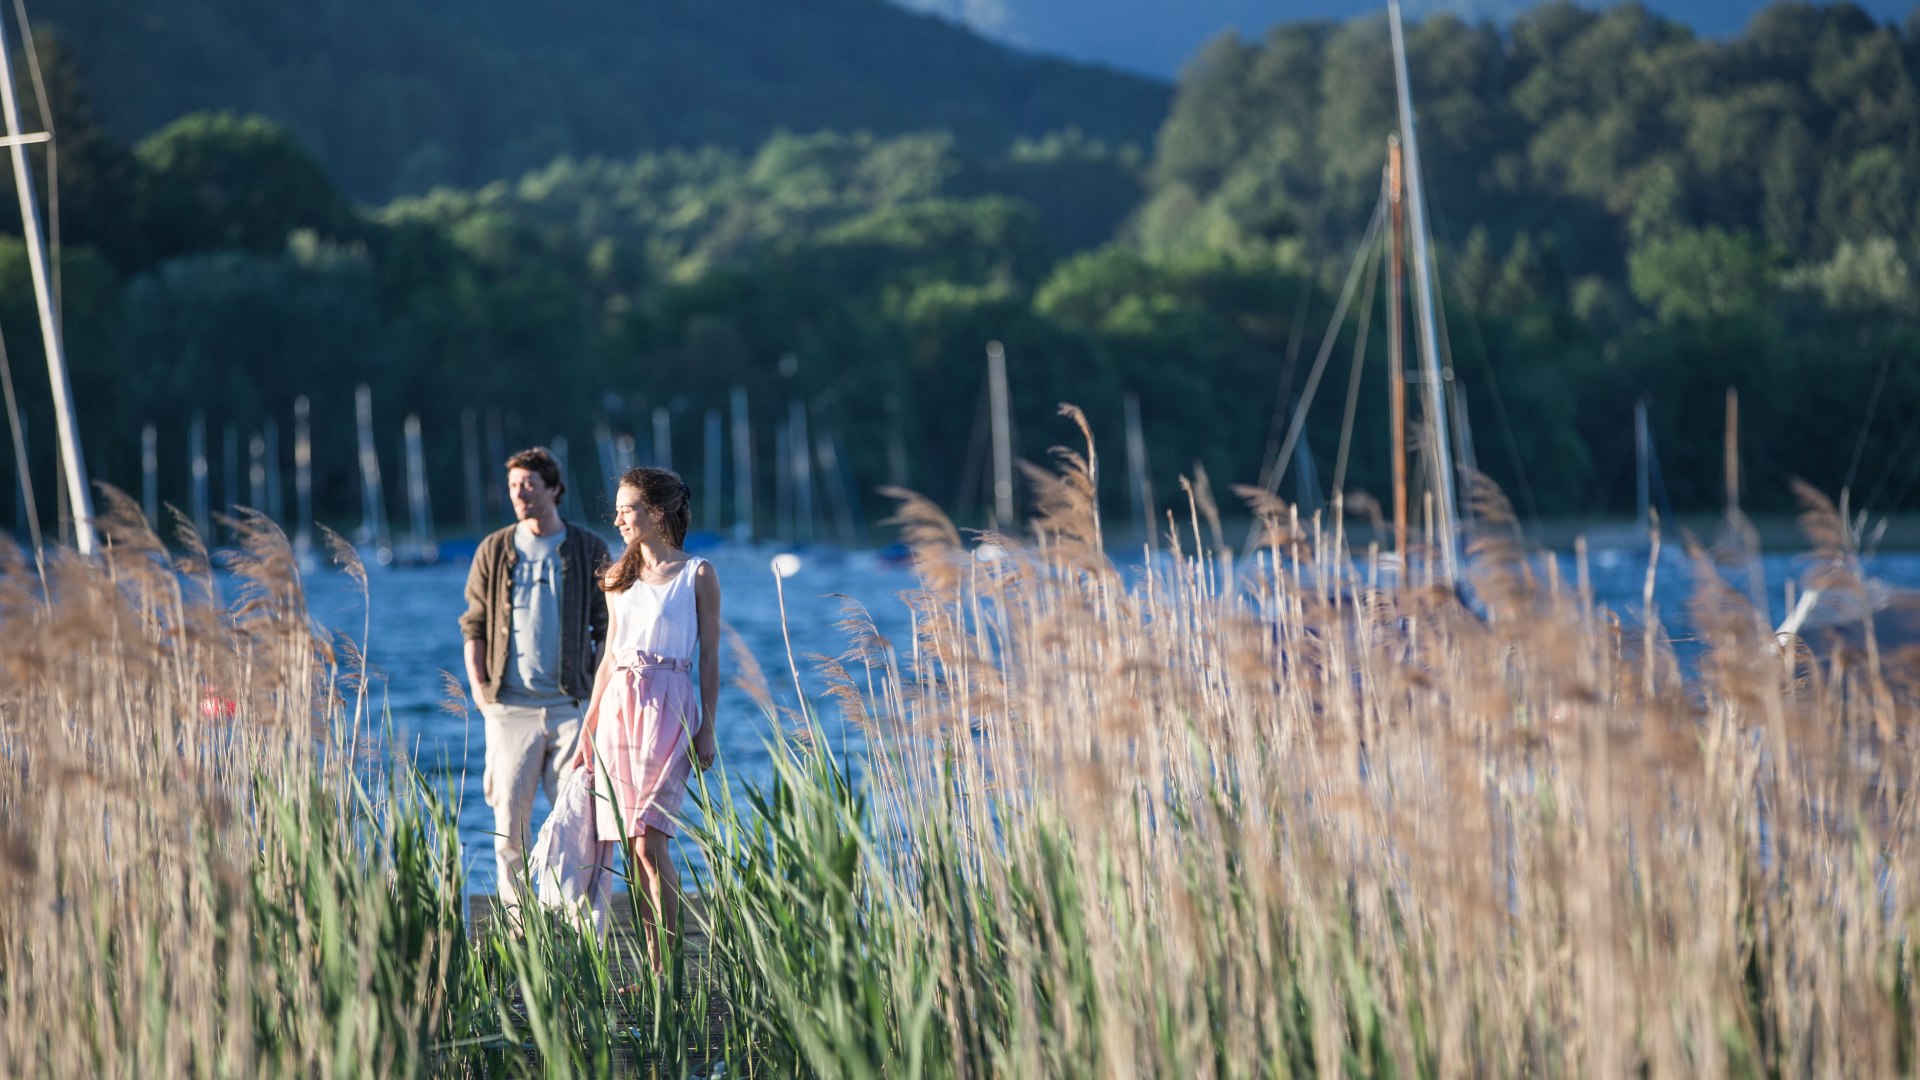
{"x": 1281, "y": 818}
{"x": 198, "y": 876}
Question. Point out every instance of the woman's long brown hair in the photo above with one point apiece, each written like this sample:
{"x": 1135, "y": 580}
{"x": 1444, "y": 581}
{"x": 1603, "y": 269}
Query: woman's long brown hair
{"x": 662, "y": 490}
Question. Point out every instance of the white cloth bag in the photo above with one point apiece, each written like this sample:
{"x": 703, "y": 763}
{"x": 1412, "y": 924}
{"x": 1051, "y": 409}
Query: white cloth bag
{"x": 571, "y": 868}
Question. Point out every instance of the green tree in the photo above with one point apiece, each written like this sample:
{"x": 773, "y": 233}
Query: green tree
{"x": 220, "y": 181}
{"x": 1702, "y": 274}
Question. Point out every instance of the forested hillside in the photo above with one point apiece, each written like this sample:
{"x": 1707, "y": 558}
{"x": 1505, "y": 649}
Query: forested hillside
{"x": 1597, "y": 130}
{"x": 395, "y": 97}
{"x": 1622, "y": 211}
{"x": 1622, "y": 208}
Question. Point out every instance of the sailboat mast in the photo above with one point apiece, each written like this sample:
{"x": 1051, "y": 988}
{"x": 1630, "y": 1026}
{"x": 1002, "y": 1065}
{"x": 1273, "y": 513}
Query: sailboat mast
{"x": 1397, "y": 339}
{"x": 1429, "y": 334}
{"x": 78, "y": 494}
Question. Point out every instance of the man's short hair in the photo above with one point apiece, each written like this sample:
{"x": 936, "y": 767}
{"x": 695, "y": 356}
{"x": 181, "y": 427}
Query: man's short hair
{"x": 540, "y": 461}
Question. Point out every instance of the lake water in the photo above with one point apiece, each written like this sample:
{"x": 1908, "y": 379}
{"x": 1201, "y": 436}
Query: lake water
{"x": 414, "y": 637}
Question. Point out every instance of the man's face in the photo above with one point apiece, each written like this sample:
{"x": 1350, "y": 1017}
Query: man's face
{"x": 532, "y": 498}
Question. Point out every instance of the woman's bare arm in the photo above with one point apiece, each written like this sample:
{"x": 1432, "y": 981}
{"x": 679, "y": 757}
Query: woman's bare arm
{"x": 706, "y": 599}
{"x": 602, "y": 675}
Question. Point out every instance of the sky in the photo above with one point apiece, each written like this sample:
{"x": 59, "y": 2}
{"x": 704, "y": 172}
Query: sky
{"x": 1155, "y": 37}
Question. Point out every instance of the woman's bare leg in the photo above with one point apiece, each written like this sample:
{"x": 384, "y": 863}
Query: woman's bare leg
{"x": 666, "y": 890}
{"x": 641, "y": 884}
{"x": 656, "y": 885}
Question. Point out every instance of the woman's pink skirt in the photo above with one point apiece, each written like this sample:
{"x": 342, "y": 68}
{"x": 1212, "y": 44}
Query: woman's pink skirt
{"x": 641, "y": 745}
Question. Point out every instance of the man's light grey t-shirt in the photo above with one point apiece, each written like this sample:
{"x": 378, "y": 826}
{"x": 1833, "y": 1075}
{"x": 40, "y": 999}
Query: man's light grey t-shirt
{"x": 532, "y": 676}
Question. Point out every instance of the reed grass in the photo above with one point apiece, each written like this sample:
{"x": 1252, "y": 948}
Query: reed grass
{"x": 213, "y": 862}
{"x": 1220, "y": 816}
{"x": 1277, "y": 817}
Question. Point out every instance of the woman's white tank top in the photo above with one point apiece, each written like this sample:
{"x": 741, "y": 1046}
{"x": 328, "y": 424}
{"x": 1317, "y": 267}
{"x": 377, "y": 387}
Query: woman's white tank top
{"x": 661, "y": 619}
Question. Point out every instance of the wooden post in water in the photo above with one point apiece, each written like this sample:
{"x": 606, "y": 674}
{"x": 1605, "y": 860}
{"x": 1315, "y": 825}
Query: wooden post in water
{"x": 373, "y": 504}
{"x": 495, "y": 471}
{"x": 798, "y": 445}
{"x": 1642, "y": 467}
{"x": 834, "y": 483}
{"x": 257, "y": 472}
{"x": 229, "y": 470}
{"x": 150, "y": 475}
{"x": 302, "y": 477}
{"x": 470, "y": 470}
{"x": 896, "y": 444}
{"x": 742, "y": 467}
{"x": 275, "y": 508}
{"x": 420, "y": 545}
{"x": 710, "y": 471}
{"x": 1139, "y": 484}
{"x": 1733, "y": 453}
{"x": 782, "y": 485}
{"x": 197, "y": 501}
{"x": 1396, "y": 341}
{"x": 999, "y": 409}
{"x": 850, "y": 490}
{"x": 662, "y": 437}
{"x": 609, "y": 463}
{"x": 559, "y": 447}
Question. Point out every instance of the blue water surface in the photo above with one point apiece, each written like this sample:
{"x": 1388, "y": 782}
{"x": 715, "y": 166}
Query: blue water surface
{"x": 414, "y": 638}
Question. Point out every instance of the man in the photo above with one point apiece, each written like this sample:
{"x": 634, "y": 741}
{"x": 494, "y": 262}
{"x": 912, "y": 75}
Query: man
{"x": 536, "y": 621}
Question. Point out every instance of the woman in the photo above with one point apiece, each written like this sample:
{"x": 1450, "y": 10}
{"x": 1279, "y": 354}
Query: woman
{"x": 642, "y": 721}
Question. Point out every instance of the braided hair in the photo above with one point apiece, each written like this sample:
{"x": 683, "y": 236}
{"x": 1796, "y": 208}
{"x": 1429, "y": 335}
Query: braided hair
{"x": 662, "y": 490}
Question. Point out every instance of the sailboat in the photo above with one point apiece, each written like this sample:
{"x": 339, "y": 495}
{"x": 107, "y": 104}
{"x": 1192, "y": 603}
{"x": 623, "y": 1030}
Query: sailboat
{"x": 1401, "y": 215}
{"x": 1437, "y": 402}
{"x": 1862, "y": 617}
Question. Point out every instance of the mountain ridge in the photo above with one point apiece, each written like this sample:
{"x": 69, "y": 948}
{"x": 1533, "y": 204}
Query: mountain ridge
{"x": 1160, "y": 37}
{"x": 403, "y": 97}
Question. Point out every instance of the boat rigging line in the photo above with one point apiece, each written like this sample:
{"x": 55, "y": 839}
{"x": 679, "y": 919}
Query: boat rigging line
{"x": 44, "y": 104}
{"x": 15, "y": 423}
{"x": 1362, "y": 262}
{"x": 1353, "y": 379}
{"x": 1483, "y": 355}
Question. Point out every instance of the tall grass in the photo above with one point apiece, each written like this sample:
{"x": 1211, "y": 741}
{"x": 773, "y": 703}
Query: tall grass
{"x": 207, "y": 872}
{"x": 210, "y": 862}
{"x": 1264, "y": 816}
{"x": 1278, "y": 819}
